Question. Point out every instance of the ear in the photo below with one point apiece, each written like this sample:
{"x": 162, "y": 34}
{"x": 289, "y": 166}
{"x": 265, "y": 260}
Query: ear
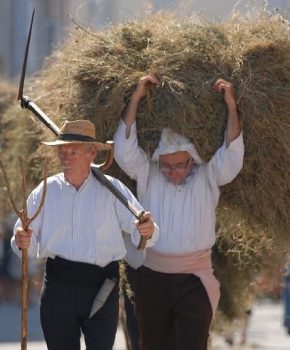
{"x": 93, "y": 151}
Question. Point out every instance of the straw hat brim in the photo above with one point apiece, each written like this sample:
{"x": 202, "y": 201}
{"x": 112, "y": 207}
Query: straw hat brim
{"x": 100, "y": 146}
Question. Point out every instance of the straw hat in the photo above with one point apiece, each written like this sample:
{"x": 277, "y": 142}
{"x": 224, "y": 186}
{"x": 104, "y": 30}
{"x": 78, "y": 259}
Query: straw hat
{"x": 77, "y": 131}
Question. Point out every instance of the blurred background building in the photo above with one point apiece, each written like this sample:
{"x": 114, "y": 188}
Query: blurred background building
{"x": 52, "y": 21}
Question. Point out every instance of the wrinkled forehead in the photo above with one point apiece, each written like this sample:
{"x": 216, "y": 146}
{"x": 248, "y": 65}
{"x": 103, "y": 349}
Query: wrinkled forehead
{"x": 76, "y": 147}
{"x": 71, "y": 146}
{"x": 174, "y": 158}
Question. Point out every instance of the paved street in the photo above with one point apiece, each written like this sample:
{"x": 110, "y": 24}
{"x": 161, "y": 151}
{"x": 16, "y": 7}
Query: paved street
{"x": 265, "y": 330}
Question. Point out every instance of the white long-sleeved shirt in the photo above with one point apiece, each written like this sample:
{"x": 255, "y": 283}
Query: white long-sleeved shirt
{"x": 184, "y": 213}
{"x": 82, "y": 225}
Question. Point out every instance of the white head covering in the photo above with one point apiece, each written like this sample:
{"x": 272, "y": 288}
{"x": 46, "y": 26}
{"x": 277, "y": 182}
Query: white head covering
{"x": 171, "y": 142}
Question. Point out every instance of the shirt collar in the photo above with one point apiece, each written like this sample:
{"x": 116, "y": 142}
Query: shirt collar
{"x": 87, "y": 180}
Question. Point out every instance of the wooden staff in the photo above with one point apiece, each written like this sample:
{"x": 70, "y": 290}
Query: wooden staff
{"x": 25, "y": 220}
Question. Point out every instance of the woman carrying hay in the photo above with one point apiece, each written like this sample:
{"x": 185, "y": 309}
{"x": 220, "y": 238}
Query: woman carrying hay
{"x": 176, "y": 292}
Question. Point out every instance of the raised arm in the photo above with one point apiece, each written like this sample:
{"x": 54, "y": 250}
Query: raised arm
{"x": 233, "y": 124}
{"x": 129, "y": 156}
{"x": 227, "y": 161}
{"x": 130, "y": 114}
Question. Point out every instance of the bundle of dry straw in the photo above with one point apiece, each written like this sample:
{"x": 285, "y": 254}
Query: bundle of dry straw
{"x": 7, "y": 98}
{"x": 19, "y": 137}
{"x": 93, "y": 75}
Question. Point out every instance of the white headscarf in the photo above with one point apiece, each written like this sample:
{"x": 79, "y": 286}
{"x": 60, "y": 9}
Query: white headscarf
{"x": 171, "y": 142}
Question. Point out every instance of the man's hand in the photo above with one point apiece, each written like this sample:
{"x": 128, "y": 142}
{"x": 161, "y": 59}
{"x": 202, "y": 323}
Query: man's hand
{"x": 23, "y": 238}
{"x": 130, "y": 114}
{"x": 222, "y": 85}
{"x": 145, "y": 228}
{"x": 143, "y": 86}
{"x": 233, "y": 125}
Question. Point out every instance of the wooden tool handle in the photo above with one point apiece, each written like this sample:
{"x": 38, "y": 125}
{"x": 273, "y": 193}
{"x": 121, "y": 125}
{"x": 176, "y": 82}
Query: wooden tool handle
{"x": 143, "y": 239}
{"x": 24, "y": 295}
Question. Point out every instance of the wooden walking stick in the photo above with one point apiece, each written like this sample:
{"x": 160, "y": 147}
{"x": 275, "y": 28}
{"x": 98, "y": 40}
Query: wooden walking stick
{"x": 25, "y": 220}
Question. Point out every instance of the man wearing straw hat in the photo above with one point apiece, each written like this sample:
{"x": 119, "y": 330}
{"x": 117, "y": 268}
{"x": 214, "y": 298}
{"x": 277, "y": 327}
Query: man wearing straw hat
{"x": 79, "y": 232}
{"x": 176, "y": 292}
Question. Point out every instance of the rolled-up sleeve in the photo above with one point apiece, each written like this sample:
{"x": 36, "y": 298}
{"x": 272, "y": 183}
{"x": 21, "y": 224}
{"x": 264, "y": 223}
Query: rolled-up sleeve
{"x": 227, "y": 162}
{"x": 127, "y": 220}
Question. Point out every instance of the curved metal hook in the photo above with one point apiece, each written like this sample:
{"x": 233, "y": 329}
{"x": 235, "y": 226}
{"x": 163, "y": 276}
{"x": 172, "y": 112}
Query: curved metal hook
{"x": 110, "y": 157}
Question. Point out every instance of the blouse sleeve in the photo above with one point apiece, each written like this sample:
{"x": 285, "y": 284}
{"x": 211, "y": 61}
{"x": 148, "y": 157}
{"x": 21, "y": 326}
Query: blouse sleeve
{"x": 131, "y": 157}
{"x": 227, "y": 162}
{"x": 127, "y": 219}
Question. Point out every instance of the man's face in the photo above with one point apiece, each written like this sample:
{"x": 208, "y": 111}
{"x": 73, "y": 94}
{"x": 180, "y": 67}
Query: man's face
{"x": 75, "y": 159}
{"x": 176, "y": 166}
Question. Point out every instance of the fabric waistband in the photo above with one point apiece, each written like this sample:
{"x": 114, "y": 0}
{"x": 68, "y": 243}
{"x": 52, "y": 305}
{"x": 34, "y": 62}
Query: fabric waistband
{"x": 197, "y": 263}
{"x": 79, "y": 273}
{"x": 182, "y": 263}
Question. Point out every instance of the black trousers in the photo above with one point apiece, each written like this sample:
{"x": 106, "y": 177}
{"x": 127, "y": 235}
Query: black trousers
{"x": 173, "y": 311}
{"x": 68, "y": 292}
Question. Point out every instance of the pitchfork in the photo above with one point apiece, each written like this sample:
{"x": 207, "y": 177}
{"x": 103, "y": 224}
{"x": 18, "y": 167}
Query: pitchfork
{"x": 25, "y": 220}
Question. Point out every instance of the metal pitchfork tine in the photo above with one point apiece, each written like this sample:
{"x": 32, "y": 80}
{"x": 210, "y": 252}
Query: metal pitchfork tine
{"x": 25, "y": 220}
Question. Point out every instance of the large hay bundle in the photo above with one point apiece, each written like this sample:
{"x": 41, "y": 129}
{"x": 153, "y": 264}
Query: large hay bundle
{"x": 7, "y": 98}
{"x": 19, "y": 137}
{"x": 93, "y": 75}
{"x": 261, "y": 72}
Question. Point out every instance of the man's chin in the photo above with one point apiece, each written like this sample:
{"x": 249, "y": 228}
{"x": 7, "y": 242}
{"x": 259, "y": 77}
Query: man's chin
{"x": 68, "y": 170}
{"x": 174, "y": 181}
